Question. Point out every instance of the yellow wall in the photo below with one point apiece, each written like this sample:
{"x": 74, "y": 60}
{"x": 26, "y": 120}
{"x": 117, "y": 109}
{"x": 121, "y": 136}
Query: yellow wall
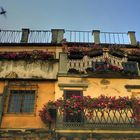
{"x": 2, "y": 86}
{"x": 115, "y": 87}
{"x": 51, "y": 90}
{"x": 45, "y": 93}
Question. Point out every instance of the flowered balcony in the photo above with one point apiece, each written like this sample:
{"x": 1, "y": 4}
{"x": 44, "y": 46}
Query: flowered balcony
{"x": 93, "y": 113}
{"x": 98, "y": 61}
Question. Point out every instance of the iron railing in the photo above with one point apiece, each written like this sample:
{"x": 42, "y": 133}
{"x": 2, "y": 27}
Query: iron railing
{"x": 114, "y": 37}
{"x": 78, "y": 36}
{"x": 10, "y": 36}
{"x": 45, "y": 36}
{"x": 98, "y": 119}
{"x": 38, "y": 36}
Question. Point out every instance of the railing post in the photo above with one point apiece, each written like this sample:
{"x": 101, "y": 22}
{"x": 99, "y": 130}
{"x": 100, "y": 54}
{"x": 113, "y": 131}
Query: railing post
{"x": 96, "y": 36}
{"x": 132, "y": 37}
{"x": 57, "y": 35}
{"x": 25, "y": 35}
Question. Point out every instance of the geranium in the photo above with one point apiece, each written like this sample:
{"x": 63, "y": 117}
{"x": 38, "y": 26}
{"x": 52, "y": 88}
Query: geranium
{"x": 86, "y": 104}
{"x": 45, "y": 113}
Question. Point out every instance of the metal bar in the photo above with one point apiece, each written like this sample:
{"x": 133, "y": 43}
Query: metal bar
{"x": 119, "y": 38}
{"x": 109, "y": 38}
{"x": 79, "y": 36}
{"x": 114, "y": 38}
{"x": 105, "y": 37}
{"x": 123, "y": 38}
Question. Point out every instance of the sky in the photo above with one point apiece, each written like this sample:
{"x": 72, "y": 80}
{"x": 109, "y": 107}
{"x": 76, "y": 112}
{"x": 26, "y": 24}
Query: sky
{"x": 85, "y": 15}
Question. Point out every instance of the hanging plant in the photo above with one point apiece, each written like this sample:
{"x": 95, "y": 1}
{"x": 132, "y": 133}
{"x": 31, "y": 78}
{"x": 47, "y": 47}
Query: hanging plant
{"x": 48, "y": 112}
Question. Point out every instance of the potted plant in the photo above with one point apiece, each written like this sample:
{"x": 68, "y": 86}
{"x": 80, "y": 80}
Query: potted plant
{"x": 48, "y": 113}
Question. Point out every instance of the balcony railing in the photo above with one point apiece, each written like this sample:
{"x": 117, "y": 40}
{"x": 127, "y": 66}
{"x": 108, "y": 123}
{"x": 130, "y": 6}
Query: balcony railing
{"x": 10, "y": 36}
{"x": 56, "y": 35}
{"x": 38, "y": 36}
{"x": 79, "y": 36}
{"x": 106, "y": 119}
{"x": 114, "y": 37}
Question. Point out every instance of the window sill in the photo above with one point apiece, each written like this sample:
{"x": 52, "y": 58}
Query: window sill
{"x": 19, "y": 114}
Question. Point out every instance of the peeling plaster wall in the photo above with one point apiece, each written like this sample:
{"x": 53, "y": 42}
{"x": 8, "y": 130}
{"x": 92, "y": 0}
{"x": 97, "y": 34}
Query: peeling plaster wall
{"x": 24, "y": 69}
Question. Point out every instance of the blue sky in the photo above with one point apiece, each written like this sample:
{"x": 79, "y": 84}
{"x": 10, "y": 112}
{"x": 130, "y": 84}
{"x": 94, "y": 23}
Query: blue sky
{"x": 105, "y": 15}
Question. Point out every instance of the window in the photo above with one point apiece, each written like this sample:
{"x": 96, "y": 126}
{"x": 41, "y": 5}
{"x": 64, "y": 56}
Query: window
{"x": 69, "y": 93}
{"x": 76, "y": 117}
{"x": 21, "y": 101}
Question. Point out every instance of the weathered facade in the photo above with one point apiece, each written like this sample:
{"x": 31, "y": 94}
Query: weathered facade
{"x": 37, "y": 67}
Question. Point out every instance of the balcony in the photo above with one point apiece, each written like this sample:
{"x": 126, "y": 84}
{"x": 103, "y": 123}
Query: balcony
{"x": 85, "y": 112}
{"x": 109, "y": 119}
{"x": 102, "y": 62}
{"x": 57, "y": 35}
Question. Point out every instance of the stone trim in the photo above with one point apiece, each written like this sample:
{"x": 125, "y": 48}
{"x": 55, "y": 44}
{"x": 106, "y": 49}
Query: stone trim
{"x": 75, "y": 85}
{"x": 100, "y": 131}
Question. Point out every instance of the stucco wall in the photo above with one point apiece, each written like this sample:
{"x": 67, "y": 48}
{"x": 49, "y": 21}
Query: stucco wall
{"x": 24, "y": 69}
{"x": 96, "y": 86}
{"x": 45, "y": 93}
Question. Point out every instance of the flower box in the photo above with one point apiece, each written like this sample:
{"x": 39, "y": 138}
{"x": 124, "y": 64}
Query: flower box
{"x": 27, "y": 56}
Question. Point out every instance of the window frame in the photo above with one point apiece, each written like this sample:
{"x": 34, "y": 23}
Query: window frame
{"x": 72, "y": 90}
{"x": 21, "y": 86}
{"x": 22, "y": 99}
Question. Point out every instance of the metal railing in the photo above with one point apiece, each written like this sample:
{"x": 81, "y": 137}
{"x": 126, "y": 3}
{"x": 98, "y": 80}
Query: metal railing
{"x": 10, "y": 36}
{"x": 99, "y": 119}
{"x": 114, "y": 37}
{"x": 78, "y": 36}
{"x": 38, "y": 36}
{"x": 45, "y": 36}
